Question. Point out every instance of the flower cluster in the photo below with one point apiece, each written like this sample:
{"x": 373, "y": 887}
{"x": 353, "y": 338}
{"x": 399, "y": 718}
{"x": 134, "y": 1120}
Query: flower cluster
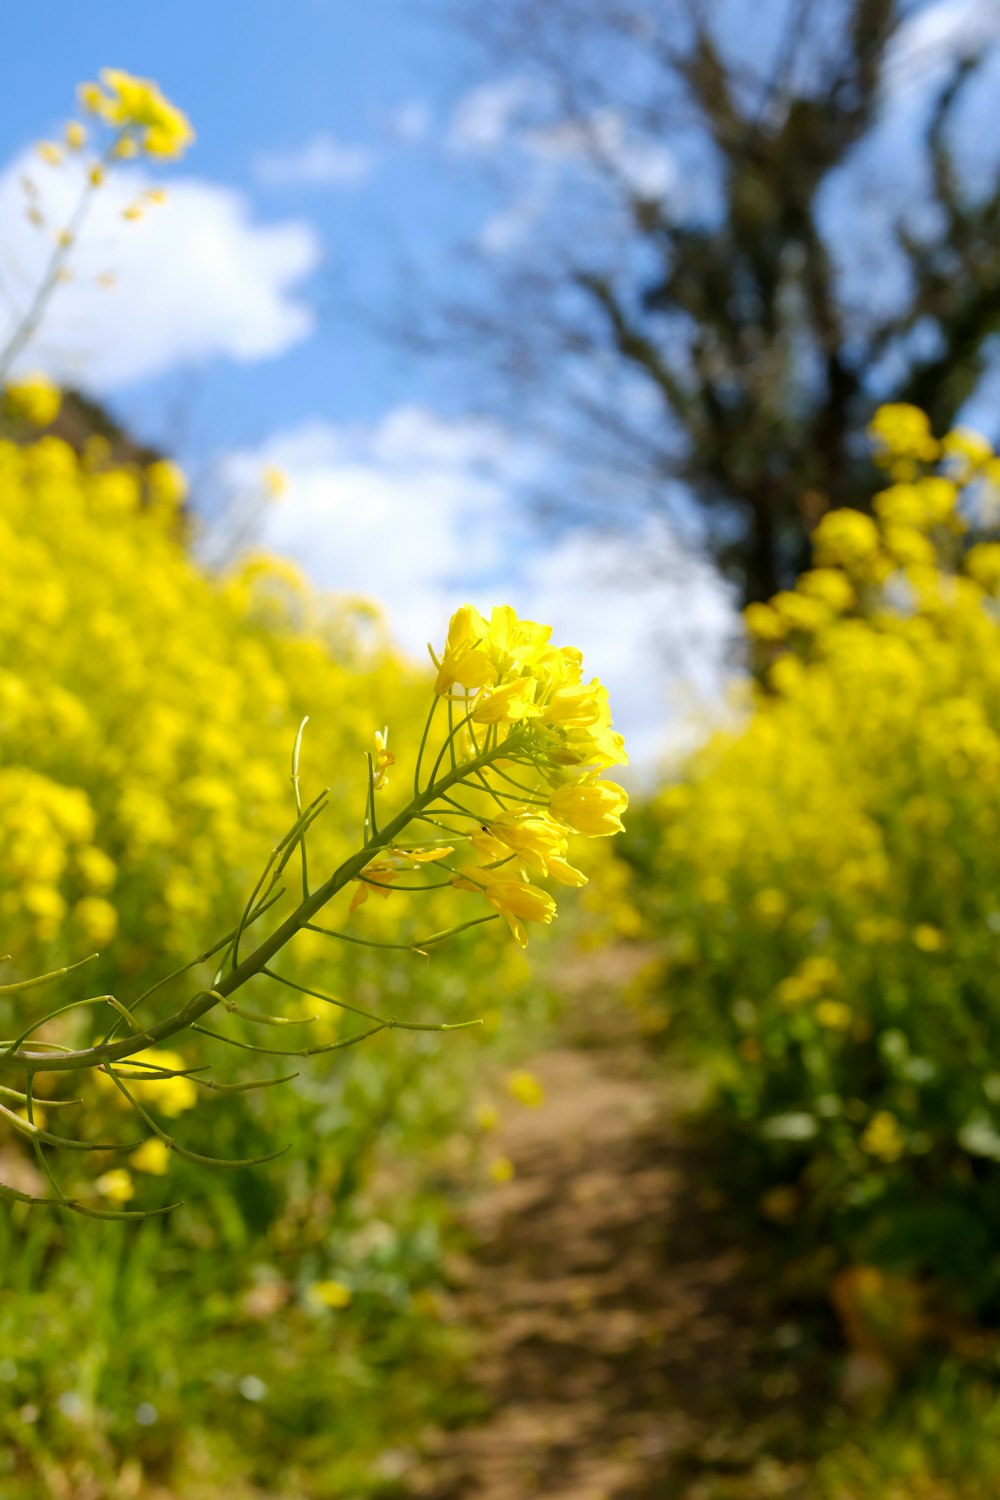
{"x": 825, "y": 872}
{"x": 525, "y": 711}
{"x": 33, "y": 400}
{"x": 143, "y": 121}
{"x": 142, "y": 766}
{"x": 129, "y": 118}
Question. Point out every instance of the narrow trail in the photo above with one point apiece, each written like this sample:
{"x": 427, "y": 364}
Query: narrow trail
{"x": 623, "y": 1349}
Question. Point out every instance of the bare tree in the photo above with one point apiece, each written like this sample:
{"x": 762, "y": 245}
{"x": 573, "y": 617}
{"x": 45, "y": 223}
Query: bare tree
{"x": 671, "y": 291}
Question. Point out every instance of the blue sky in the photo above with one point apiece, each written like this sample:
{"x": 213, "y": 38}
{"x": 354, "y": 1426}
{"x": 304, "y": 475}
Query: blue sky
{"x": 345, "y": 154}
{"x": 263, "y": 79}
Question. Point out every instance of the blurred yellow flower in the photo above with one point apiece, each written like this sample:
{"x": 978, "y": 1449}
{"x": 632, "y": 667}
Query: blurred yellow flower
{"x": 153, "y": 1156}
{"x": 883, "y": 1138}
{"x": 525, "y": 1088}
{"x": 333, "y": 1294}
{"x": 33, "y": 399}
{"x": 117, "y": 1186}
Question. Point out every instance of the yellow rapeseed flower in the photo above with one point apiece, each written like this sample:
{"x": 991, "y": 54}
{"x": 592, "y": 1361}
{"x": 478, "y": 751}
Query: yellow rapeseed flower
{"x": 33, "y": 399}
{"x": 117, "y": 1186}
{"x": 593, "y": 808}
{"x": 525, "y": 1088}
{"x": 516, "y": 900}
{"x": 153, "y": 1156}
{"x": 332, "y": 1294}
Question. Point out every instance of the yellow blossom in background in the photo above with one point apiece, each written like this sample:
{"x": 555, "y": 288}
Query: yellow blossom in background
{"x": 153, "y": 1156}
{"x": 882, "y": 1137}
{"x": 847, "y": 539}
{"x": 331, "y": 1294}
{"x": 166, "y": 484}
{"x": 117, "y": 1186}
{"x": 33, "y": 399}
{"x": 275, "y": 482}
{"x": 172, "y": 1096}
{"x": 822, "y": 877}
{"x": 764, "y": 623}
{"x": 525, "y": 1088}
{"x": 501, "y": 1170}
{"x": 137, "y": 108}
{"x": 902, "y": 437}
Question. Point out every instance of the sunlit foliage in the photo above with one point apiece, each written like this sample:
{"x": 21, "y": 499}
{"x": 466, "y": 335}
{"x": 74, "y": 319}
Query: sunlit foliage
{"x": 826, "y": 876}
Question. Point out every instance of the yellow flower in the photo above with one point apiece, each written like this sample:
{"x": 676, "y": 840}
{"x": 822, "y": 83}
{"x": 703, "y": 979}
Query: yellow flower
{"x": 152, "y": 1156}
{"x": 900, "y": 431}
{"x": 90, "y": 97}
{"x": 525, "y": 1088}
{"x": 908, "y": 547}
{"x": 97, "y": 919}
{"x": 384, "y": 758}
{"x": 33, "y": 399}
{"x": 801, "y": 611}
{"x": 116, "y": 1185}
{"x": 834, "y": 1014}
{"x": 332, "y": 1294}
{"x": 171, "y": 1096}
{"x": 982, "y": 563}
{"x": 539, "y": 843}
{"x": 771, "y": 904}
{"x": 76, "y": 135}
{"x": 137, "y": 104}
{"x": 50, "y": 153}
{"x": 275, "y": 481}
{"x": 846, "y": 537}
{"x": 882, "y": 1137}
{"x": 828, "y": 585}
{"x": 577, "y": 706}
{"x": 516, "y": 900}
{"x": 764, "y": 623}
{"x": 166, "y": 484}
{"x": 388, "y": 867}
{"x": 466, "y": 661}
{"x": 592, "y": 808}
{"x": 501, "y": 1169}
{"x": 972, "y": 450}
{"x": 927, "y": 938}
{"x": 511, "y": 703}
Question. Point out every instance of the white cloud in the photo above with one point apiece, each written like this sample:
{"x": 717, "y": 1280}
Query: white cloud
{"x": 320, "y": 161}
{"x": 484, "y": 117}
{"x": 510, "y": 226}
{"x": 931, "y": 40}
{"x": 420, "y": 512}
{"x": 196, "y": 278}
{"x": 411, "y": 122}
{"x": 607, "y": 138}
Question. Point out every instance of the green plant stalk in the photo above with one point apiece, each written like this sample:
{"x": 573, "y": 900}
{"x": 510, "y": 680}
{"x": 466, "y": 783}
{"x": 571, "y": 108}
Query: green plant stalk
{"x": 254, "y": 963}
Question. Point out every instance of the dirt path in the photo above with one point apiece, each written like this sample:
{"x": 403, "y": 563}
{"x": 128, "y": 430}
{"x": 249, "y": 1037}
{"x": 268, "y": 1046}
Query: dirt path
{"x": 622, "y": 1347}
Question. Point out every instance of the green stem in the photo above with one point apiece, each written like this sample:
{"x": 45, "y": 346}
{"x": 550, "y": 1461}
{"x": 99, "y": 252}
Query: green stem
{"x": 202, "y": 1001}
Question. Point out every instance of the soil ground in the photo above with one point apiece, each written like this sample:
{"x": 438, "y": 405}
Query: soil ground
{"x": 626, "y": 1347}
